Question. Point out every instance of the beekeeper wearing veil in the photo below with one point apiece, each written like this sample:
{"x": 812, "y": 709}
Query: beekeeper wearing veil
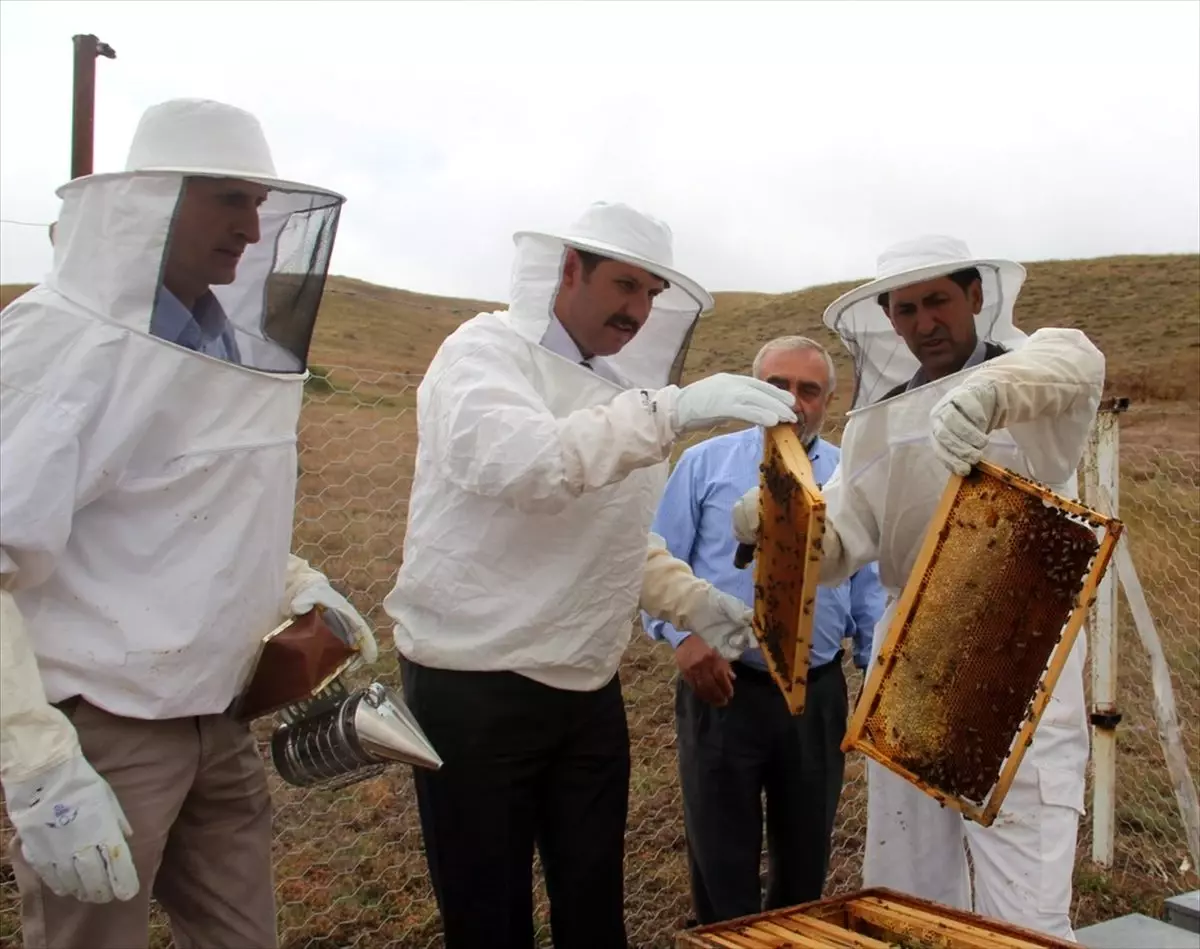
{"x": 944, "y": 379}
{"x": 151, "y": 388}
{"x": 544, "y": 433}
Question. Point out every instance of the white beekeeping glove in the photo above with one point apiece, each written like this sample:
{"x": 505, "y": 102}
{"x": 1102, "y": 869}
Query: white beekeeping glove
{"x": 726, "y": 397}
{"x": 672, "y": 592}
{"x": 71, "y": 827}
{"x": 959, "y": 425}
{"x": 308, "y": 588}
{"x": 73, "y": 832}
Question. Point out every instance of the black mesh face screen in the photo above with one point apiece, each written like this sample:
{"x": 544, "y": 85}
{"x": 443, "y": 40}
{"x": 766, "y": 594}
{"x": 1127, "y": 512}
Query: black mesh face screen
{"x": 258, "y": 308}
{"x": 293, "y": 292}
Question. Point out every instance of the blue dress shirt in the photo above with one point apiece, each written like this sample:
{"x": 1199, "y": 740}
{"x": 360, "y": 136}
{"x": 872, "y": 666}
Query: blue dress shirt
{"x": 206, "y": 330}
{"x": 695, "y": 518}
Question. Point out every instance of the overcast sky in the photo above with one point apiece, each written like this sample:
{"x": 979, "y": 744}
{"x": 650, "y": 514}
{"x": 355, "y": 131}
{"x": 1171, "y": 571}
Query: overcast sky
{"x": 786, "y": 143}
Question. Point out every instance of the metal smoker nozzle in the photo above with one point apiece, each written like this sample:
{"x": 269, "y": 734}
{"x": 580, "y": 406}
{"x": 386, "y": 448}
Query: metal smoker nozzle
{"x": 349, "y": 739}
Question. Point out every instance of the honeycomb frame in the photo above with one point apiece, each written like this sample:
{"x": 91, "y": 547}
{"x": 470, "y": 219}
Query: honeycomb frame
{"x": 873, "y": 918}
{"x": 787, "y": 560}
{"x": 936, "y": 709}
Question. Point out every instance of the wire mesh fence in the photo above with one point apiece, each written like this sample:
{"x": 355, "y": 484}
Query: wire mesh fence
{"x": 1160, "y": 505}
{"x": 349, "y": 865}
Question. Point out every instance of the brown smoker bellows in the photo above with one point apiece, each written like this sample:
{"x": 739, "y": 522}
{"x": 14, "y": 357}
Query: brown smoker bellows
{"x": 787, "y": 558}
{"x": 983, "y": 628}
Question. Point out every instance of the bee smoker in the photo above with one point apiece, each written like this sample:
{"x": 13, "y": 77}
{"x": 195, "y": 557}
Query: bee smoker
{"x": 337, "y": 739}
{"x": 328, "y": 737}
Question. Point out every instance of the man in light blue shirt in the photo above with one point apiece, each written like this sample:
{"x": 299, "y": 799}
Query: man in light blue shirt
{"x": 736, "y": 736}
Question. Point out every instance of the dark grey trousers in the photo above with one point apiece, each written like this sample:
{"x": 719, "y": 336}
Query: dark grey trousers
{"x": 729, "y": 759}
{"x": 524, "y": 765}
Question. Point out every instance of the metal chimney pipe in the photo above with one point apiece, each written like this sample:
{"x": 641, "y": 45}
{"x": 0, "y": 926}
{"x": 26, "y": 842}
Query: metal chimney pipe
{"x": 83, "y": 118}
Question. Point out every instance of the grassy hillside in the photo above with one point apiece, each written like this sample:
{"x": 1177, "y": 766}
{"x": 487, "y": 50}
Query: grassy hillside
{"x": 1143, "y": 312}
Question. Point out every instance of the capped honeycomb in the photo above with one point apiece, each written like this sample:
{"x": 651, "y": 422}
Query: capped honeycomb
{"x": 982, "y": 631}
{"x": 787, "y": 560}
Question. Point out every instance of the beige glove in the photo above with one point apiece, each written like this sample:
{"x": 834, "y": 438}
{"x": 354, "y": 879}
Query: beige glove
{"x": 671, "y": 592}
{"x": 960, "y": 423}
{"x": 1044, "y": 393}
{"x": 72, "y": 829}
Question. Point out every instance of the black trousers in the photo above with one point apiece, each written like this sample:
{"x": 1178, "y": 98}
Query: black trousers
{"x": 523, "y": 764}
{"x": 728, "y": 759}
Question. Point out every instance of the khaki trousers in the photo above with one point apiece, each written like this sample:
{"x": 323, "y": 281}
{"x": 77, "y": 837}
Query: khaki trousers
{"x": 195, "y": 792}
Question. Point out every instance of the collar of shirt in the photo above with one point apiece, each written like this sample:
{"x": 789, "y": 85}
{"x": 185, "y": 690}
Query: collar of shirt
{"x": 206, "y": 329}
{"x": 919, "y": 378}
{"x": 558, "y": 341}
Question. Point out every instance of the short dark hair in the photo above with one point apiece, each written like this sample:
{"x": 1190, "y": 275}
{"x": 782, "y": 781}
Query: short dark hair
{"x": 588, "y": 260}
{"x": 964, "y": 278}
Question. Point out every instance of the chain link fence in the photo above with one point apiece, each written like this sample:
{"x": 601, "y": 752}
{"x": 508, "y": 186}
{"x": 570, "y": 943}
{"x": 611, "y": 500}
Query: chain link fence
{"x": 350, "y": 870}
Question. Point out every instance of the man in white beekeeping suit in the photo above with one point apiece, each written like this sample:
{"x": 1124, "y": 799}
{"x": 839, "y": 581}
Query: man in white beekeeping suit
{"x": 151, "y": 390}
{"x": 544, "y": 433}
{"x": 945, "y": 379}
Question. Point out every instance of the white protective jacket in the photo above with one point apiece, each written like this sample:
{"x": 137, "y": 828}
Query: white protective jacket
{"x": 535, "y": 486}
{"x": 146, "y": 491}
{"x": 880, "y": 503}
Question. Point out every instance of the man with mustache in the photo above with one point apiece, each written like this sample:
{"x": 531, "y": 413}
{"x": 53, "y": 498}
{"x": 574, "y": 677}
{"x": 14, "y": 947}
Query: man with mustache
{"x": 150, "y": 391}
{"x": 945, "y": 379}
{"x": 936, "y": 321}
{"x": 736, "y": 737}
{"x": 543, "y": 438}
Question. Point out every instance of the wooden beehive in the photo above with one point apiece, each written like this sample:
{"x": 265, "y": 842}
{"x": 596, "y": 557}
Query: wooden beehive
{"x": 982, "y": 631}
{"x": 787, "y": 561}
{"x": 876, "y": 918}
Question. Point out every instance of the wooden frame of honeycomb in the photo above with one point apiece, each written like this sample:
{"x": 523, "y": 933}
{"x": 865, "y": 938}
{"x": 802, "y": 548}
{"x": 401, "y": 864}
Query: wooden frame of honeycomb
{"x": 788, "y": 556}
{"x": 876, "y": 918}
{"x": 983, "y": 629}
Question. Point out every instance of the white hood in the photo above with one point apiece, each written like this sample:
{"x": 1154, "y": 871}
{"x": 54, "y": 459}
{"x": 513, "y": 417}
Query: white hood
{"x": 113, "y": 232}
{"x": 655, "y": 356}
{"x": 882, "y": 360}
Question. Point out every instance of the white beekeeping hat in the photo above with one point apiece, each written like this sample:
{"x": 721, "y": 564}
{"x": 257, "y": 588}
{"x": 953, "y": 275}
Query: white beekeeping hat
{"x": 201, "y": 137}
{"x": 882, "y": 360}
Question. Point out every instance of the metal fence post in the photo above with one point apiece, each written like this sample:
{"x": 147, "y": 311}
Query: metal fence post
{"x": 83, "y": 115}
{"x": 1101, "y": 483}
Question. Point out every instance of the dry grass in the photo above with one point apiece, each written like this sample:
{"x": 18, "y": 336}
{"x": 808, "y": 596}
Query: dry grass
{"x": 350, "y": 871}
